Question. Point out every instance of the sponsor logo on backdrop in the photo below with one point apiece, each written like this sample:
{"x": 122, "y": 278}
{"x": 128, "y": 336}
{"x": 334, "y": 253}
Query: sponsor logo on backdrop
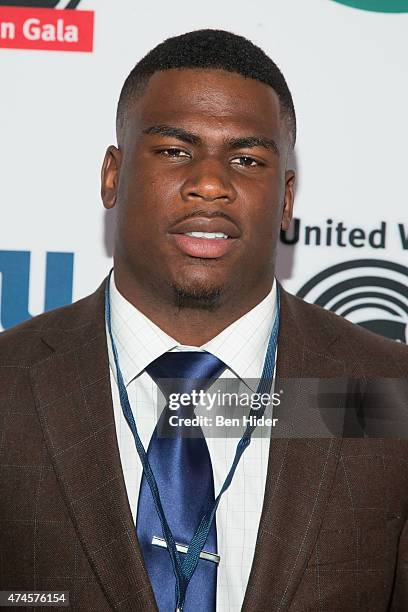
{"x": 38, "y": 25}
{"x": 15, "y": 284}
{"x": 335, "y": 233}
{"x": 378, "y": 6}
{"x": 370, "y": 292}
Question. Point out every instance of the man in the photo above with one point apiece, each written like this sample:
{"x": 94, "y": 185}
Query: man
{"x": 314, "y": 519}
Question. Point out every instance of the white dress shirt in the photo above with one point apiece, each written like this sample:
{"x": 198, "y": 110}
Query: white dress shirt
{"x": 242, "y": 347}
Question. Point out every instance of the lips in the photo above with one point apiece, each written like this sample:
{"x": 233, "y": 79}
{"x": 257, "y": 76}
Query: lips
{"x": 205, "y": 247}
{"x": 204, "y": 224}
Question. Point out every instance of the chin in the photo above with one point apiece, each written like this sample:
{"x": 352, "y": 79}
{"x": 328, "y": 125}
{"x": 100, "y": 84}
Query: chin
{"x": 197, "y": 295}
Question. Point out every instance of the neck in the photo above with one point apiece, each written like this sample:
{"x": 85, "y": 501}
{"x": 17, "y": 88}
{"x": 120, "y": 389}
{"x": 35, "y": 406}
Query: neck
{"x": 191, "y": 325}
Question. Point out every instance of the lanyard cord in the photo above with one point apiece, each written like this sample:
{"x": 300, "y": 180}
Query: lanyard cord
{"x": 184, "y": 568}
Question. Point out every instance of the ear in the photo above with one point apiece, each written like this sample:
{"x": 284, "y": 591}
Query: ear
{"x": 110, "y": 175}
{"x": 288, "y": 199}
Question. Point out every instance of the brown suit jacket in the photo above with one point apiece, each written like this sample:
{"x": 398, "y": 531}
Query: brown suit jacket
{"x": 332, "y": 534}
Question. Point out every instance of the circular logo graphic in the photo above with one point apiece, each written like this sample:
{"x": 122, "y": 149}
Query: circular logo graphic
{"x": 60, "y": 4}
{"x": 378, "y": 6}
{"x": 370, "y": 292}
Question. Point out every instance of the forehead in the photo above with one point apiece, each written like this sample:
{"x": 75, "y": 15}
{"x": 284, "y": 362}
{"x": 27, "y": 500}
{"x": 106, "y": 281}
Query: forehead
{"x": 208, "y": 98}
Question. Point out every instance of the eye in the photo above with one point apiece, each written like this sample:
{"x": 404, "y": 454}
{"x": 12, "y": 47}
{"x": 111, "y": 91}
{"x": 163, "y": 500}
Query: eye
{"x": 173, "y": 152}
{"x": 247, "y": 161}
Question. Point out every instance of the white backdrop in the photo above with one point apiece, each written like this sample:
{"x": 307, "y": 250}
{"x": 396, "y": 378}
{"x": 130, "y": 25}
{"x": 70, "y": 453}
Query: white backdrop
{"x": 347, "y": 70}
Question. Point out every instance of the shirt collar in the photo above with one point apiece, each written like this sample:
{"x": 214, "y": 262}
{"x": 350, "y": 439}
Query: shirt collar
{"x": 138, "y": 340}
{"x": 241, "y": 346}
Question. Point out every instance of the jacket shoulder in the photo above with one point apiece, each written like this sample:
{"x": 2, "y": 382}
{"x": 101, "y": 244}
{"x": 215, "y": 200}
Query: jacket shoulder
{"x": 373, "y": 354}
{"x": 22, "y": 344}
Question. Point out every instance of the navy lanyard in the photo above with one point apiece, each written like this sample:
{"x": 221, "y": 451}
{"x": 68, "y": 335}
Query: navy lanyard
{"x": 185, "y": 565}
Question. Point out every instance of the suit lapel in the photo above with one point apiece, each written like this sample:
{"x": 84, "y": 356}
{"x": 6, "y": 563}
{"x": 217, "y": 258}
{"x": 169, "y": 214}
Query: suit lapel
{"x": 302, "y": 464}
{"x": 74, "y": 403}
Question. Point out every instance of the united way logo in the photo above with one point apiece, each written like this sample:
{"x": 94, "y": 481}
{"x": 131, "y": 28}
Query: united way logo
{"x": 378, "y": 6}
{"x": 15, "y": 284}
{"x": 34, "y": 24}
{"x": 370, "y": 292}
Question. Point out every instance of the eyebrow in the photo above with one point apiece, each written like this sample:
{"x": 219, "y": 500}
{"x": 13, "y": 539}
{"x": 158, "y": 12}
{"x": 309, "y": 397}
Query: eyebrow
{"x": 173, "y": 132}
{"x": 242, "y": 142}
{"x": 253, "y": 141}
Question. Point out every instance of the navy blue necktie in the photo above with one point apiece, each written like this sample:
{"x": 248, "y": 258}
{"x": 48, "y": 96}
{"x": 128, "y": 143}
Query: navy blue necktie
{"x": 182, "y": 467}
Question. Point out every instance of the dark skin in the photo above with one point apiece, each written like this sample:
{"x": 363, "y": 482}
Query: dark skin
{"x": 227, "y": 161}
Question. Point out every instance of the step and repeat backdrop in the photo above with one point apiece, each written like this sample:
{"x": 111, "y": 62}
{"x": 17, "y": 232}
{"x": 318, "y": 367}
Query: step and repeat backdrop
{"x": 62, "y": 66}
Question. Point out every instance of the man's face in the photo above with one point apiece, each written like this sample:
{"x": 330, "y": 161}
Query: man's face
{"x": 200, "y": 151}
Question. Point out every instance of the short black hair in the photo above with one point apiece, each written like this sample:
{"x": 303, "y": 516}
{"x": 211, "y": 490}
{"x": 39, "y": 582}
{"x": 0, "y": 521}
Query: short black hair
{"x": 208, "y": 49}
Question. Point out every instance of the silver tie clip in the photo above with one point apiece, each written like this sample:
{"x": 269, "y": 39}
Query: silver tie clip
{"x": 204, "y": 554}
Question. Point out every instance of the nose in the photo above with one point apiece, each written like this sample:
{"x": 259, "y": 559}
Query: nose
{"x": 209, "y": 181}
